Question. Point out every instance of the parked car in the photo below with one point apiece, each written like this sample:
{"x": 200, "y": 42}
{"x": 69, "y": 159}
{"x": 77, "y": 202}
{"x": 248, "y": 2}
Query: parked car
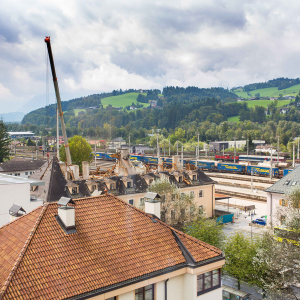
{"x": 260, "y": 221}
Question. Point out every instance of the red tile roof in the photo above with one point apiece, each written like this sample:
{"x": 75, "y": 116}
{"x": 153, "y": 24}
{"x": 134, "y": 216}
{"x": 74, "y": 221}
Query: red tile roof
{"x": 114, "y": 243}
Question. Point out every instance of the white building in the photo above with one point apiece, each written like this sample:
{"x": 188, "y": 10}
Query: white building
{"x": 16, "y": 191}
{"x": 102, "y": 248}
{"x": 277, "y": 192}
{"x": 21, "y": 167}
{"x": 21, "y": 134}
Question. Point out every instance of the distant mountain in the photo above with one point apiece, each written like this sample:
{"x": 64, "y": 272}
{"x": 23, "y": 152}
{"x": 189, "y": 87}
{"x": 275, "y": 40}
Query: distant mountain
{"x": 13, "y": 117}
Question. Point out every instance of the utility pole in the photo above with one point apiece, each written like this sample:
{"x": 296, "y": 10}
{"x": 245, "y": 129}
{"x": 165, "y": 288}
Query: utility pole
{"x": 182, "y": 155}
{"x": 57, "y": 134}
{"x": 157, "y": 145}
{"x": 293, "y": 155}
{"x": 129, "y": 144}
{"x": 95, "y": 151}
{"x": 251, "y": 179}
{"x": 169, "y": 147}
{"x": 247, "y": 148}
{"x": 271, "y": 169}
{"x": 177, "y": 147}
{"x": 206, "y": 150}
{"x": 36, "y": 149}
{"x": 198, "y": 147}
{"x": 278, "y": 148}
{"x": 234, "y": 148}
{"x": 298, "y": 149}
{"x": 223, "y": 150}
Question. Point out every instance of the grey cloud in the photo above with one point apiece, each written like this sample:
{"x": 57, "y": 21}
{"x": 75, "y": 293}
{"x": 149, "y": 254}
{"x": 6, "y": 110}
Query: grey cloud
{"x": 9, "y": 30}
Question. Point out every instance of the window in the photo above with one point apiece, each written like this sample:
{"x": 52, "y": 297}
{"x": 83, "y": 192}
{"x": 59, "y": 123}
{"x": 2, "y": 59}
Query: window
{"x": 287, "y": 182}
{"x": 180, "y": 179}
{"x": 182, "y": 213}
{"x": 283, "y": 202}
{"x": 130, "y": 201}
{"x": 31, "y": 173}
{"x": 283, "y": 220}
{"x": 194, "y": 177}
{"x": 26, "y": 173}
{"x": 208, "y": 281}
{"x": 17, "y": 174}
{"x": 128, "y": 184}
{"x": 112, "y": 298}
{"x": 150, "y": 181}
{"x": 74, "y": 190}
{"x": 145, "y": 293}
{"x": 200, "y": 193}
{"x": 172, "y": 214}
{"x": 112, "y": 186}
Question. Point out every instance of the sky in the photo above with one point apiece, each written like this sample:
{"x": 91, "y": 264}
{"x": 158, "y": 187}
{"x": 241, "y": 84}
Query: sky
{"x": 99, "y": 46}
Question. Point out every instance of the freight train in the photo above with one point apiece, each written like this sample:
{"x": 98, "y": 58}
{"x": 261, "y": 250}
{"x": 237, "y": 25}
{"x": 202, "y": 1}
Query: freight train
{"x": 253, "y": 158}
{"x": 206, "y": 165}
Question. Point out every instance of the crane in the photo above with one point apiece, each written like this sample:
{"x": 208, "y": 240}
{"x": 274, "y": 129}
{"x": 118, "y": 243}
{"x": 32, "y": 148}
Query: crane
{"x": 62, "y": 122}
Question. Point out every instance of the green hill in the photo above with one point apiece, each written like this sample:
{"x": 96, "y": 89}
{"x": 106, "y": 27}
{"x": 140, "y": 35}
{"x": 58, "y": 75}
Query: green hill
{"x": 122, "y": 100}
{"x": 269, "y": 92}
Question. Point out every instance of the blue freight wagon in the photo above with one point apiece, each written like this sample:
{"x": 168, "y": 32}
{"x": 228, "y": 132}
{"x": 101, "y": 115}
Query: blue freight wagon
{"x": 100, "y": 155}
{"x": 262, "y": 170}
{"x": 136, "y": 157}
{"x": 107, "y": 156}
{"x": 207, "y": 165}
{"x": 231, "y": 167}
{"x": 150, "y": 160}
{"x": 286, "y": 171}
{"x": 168, "y": 160}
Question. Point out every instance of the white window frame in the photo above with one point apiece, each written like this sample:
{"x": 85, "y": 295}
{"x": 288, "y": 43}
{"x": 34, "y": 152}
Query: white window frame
{"x": 202, "y": 193}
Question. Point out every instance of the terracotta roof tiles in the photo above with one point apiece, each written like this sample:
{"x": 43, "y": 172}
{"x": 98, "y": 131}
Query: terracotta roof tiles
{"x": 114, "y": 243}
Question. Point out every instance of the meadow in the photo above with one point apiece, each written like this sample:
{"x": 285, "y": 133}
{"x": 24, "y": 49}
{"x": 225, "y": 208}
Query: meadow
{"x": 122, "y": 100}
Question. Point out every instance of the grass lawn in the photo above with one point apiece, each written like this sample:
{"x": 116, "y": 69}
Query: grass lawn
{"x": 77, "y": 110}
{"x": 121, "y": 100}
{"x": 271, "y": 92}
{"x": 265, "y": 103}
{"x": 233, "y": 119}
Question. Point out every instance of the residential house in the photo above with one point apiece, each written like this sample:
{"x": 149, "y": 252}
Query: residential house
{"x": 21, "y": 166}
{"x": 102, "y": 248}
{"x": 116, "y": 143}
{"x": 131, "y": 188}
{"x": 276, "y": 193}
{"x": 16, "y": 191}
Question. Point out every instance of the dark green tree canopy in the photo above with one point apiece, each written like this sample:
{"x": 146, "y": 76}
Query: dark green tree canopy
{"x": 4, "y": 142}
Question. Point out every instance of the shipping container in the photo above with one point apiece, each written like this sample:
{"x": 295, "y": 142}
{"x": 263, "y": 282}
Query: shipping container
{"x": 231, "y": 167}
{"x": 263, "y": 170}
{"x": 206, "y": 165}
{"x": 150, "y": 160}
{"x": 286, "y": 171}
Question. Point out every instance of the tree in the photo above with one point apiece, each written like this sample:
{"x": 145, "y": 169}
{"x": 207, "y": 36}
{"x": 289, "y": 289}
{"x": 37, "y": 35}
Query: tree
{"x": 80, "y": 151}
{"x": 206, "y": 230}
{"x": 176, "y": 207}
{"x": 4, "y": 142}
{"x": 257, "y": 95}
{"x": 30, "y": 142}
{"x": 240, "y": 252}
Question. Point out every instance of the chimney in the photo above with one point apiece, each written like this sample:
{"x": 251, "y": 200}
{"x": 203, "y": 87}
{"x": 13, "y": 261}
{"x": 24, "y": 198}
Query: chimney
{"x": 66, "y": 215}
{"x": 152, "y": 204}
{"x": 16, "y": 211}
{"x": 85, "y": 170}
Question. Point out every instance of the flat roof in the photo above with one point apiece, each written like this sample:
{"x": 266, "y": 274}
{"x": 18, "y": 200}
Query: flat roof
{"x": 9, "y": 179}
{"x": 20, "y": 132}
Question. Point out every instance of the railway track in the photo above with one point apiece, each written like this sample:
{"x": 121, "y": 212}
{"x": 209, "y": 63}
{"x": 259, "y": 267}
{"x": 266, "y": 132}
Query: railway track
{"x": 242, "y": 177}
{"x": 241, "y": 195}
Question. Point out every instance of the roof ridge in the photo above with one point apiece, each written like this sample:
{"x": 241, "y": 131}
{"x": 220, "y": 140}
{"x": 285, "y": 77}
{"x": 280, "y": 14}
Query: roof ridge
{"x": 49, "y": 163}
{"x": 26, "y": 244}
{"x": 161, "y": 222}
{"x": 17, "y": 219}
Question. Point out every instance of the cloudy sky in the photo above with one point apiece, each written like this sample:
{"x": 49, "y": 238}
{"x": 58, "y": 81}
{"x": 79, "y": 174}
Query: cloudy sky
{"x": 103, "y": 45}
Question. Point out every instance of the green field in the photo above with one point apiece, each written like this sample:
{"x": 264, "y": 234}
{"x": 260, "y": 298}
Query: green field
{"x": 270, "y": 92}
{"x": 121, "y": 100}
{"x": 77, "y": 110}
{"x": 233, "y": 119}
{"x": 265, "y": 103}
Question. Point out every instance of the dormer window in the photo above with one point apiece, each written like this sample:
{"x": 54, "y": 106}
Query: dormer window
{"x": 194, "y": 177}
{"x": 74, "y": 190}
{"x": 180, "y": 178}
{"x": 128, "y": 184}
{"x": 112, "y": 186}
{"x": 150, "y": 181}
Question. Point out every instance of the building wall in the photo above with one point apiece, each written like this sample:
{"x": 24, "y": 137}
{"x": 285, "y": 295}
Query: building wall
{"x": 272, "y": 204}
{"x": 208, "y": 199}
{"x": 181, "y": 285}
{"x": 22, "y": 173}
{"x": 18, "y": 194}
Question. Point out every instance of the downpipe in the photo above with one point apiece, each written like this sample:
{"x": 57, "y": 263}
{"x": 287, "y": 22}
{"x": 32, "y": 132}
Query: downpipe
{"x": 166, "y": 289}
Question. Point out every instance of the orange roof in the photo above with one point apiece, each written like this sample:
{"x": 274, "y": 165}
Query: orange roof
{"x": 115, "y": 244}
